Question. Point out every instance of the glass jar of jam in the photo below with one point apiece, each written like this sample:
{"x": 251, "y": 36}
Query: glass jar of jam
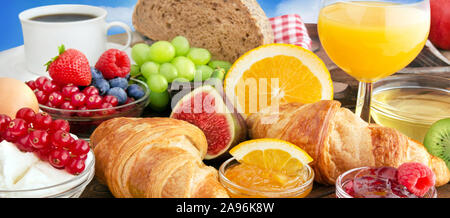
{"x": 247, "y": 181}
{"x": 374, "y": 182}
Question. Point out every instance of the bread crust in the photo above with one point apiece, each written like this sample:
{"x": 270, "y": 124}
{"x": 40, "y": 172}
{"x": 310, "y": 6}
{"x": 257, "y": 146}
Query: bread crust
{"x": 227, "y": 28}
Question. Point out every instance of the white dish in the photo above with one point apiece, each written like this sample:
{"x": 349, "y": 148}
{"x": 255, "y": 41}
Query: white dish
{"x": 23, "y": 175}
{"x": 12, "y": 63}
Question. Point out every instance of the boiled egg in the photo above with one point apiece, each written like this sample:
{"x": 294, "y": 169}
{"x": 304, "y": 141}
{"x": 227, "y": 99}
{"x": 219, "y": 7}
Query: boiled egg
{"x": 14, "y": 95}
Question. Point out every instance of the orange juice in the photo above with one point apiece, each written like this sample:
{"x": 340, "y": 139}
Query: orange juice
{"x": 372, "y": 40}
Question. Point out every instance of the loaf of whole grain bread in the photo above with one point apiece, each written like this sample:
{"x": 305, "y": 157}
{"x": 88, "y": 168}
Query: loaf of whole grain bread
{"x": 227, "y": 28}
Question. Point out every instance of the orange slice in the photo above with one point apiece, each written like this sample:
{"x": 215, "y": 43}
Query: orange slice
{"x": 273, "y": 154}
{"x": 276, "y": 74}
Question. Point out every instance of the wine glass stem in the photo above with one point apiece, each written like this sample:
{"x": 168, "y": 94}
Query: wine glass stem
{"x": 363, "y": 102}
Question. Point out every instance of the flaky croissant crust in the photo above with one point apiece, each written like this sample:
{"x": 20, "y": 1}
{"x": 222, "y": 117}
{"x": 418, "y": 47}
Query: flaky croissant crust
{"x": 154, "y": 158}
{"x": 338, "y": 140}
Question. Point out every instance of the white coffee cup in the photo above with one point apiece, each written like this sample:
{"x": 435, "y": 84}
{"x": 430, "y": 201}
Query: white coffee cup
{"x": 42, "y": 39}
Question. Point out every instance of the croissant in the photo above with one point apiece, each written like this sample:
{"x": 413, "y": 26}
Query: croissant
{"x": 338, "y": 140}
{"x": 154, "y": 158}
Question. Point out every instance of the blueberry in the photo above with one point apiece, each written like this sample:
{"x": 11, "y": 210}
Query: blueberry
{"x": 119, "y": 82}
{"x": 135, "y": 91}
{"x": 119, "y": 93}
{"x": 127, "y": 77}
{"x": 96, "y": 74}
{"x": 102, "y": 85}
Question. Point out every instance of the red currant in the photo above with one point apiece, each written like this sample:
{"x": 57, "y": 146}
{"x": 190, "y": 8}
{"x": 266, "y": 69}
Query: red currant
{"x": 129, "y": 107}
{"x": 80, "y": 147}
{"x": 81, "y": 157}
{"x": 43, "y": 153}
{"x": 49, "y": 104}
{"x": 60, "y": 125}
{"x": 15, "y": 129}
{"x": 85, "y": 112}
{"x": 26, "y": 114}
{"x": 61, "y": 139}
{"x": 41, "y": 97}
{"x": 67, "y": 105}
{"x": 55, "y": 98}
{"x": 4, "y": 122}
{"x": 38, "y": 139}
{"x": 107, "y": 109}
{"x": 58, "y": 158}
{"x": 94, "y": 102}
{"x": 78, "y": 99}
{"x": 91, "y": 90}
{"x": 129, "y": 100}
{"x": 23, "y": 144}
{"x": 75, "y": 166}
{"x": 111, "y": 99}
{"x": 42, "y": 121}
{"x": 69, "y": 90}
{"x": 39, "y": 82}
{"x": 50, "y": 87}
{"x": 31, "y": 84}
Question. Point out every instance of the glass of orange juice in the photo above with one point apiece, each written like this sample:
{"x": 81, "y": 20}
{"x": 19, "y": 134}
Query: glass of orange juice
{"x": 372, "y": 39}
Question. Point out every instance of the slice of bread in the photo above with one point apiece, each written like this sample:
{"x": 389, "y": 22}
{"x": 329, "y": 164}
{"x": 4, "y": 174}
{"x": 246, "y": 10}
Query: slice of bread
{"x": 227, "y": 28}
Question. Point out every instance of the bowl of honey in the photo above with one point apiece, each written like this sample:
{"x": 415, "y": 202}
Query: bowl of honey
{"x": 411, "y": 103}
{"x": 246, "y": 181}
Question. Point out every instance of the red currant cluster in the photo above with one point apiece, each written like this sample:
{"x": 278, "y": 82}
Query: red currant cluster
{"x": 71, "y": 97}
{"x": 49, "y": 139}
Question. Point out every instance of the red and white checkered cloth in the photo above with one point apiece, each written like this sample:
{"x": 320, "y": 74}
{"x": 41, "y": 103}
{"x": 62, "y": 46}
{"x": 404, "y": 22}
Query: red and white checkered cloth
{"x": 290, "y": 29}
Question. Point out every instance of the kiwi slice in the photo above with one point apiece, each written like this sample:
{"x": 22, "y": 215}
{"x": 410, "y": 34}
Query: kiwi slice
{"x": 437, "y": 140}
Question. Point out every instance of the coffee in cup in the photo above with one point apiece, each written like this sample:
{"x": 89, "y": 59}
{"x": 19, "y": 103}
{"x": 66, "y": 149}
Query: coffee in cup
{"x": 81, "y": 27}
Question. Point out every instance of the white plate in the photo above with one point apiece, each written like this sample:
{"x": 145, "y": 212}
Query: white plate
{"x": 12, "y": 63}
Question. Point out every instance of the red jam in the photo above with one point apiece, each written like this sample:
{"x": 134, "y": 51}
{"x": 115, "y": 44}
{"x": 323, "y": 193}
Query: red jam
{"x": 377, "y": 183}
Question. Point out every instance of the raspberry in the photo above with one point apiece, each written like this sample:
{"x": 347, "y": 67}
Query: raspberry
{"x": 416, "y": 177}
{"x": 113, "y": 63}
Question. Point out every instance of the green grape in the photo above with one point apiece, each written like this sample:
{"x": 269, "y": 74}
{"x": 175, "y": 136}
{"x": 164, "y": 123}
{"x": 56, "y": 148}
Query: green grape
{"x": 168, "y": 71}
{"x": 161, "y": 52}
{"x": 157, "y": 83}
{"x": 180, "y": 80}
{"x": 199, "y": 56}
{"x": 159, "y": 101}
{"x": 222, "y": 64}
{"x": 142, "y": 78}
{"x": 149, "y": 68}
{"x": 218, "y": 73}
{"x": 204, "y": 72}
{"x": 185, "y": 67}
{"x": 139, "y": 53}
{"x": 181, "y": 45}
{"x": 135, "y": 70}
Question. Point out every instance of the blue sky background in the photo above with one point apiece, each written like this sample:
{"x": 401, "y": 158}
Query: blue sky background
{"x": 121, "y": 10}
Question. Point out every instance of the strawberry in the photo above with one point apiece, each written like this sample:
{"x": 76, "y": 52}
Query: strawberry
{"x": 71, "y": 66}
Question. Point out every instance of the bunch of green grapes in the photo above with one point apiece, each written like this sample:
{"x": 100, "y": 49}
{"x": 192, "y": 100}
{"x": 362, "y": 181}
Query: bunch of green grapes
{"x": 165, "y": 62}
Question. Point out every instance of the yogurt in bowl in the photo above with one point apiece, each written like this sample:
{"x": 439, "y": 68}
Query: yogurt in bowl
{"x": 23, "y": 174}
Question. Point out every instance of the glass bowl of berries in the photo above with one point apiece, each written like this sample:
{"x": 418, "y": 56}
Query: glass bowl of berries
{"x": 409, "y": 180}
{"x": 86, "y": 107}
{"x": 39, "y": 157}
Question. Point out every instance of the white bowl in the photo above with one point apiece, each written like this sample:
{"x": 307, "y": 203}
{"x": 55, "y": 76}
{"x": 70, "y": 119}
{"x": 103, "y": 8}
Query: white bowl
{"x": 72, "y": 188}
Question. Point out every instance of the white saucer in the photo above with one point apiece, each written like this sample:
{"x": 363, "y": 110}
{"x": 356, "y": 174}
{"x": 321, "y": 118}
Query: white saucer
{"x": 12, "y": 63}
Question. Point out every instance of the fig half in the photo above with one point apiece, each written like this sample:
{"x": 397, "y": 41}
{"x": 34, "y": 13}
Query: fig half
{"x": 209, "y": 110}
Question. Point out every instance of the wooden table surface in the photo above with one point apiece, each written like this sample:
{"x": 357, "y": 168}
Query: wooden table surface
{"x": 347, "y": 96}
